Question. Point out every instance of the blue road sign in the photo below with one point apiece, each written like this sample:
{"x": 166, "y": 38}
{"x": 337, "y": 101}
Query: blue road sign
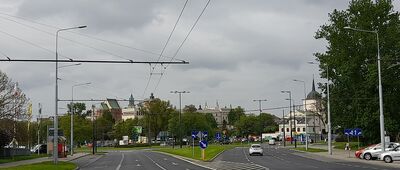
{"x": 203, "y": 144}
{"x": 218, "y": 136}
{"x": 194, "y": 134}
{"x": 357, "y": 132}
{"x": 348, "y": 132}
{"x": 205, "y": 134}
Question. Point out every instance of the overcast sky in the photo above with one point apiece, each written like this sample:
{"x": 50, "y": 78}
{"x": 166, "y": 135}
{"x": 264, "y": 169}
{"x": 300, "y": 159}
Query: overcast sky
{"x": 238, "y": 51}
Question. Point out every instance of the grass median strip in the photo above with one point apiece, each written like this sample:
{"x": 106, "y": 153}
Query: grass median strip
{"x": 310, "y": 149}
{"x": 45, "y": 165}
{"x": 20, "y": 158}
{"x": 210, "y": 152}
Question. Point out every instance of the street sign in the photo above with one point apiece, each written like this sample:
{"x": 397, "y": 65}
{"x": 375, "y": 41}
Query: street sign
{"x": 205, "y": 134}
{"x": 203, "y": 144}
{"x": 194, "y": 134}
{"x": 348, "y": 132}
{"x": 218, "y": 136}
{"x": 357, "y": 132}
{"x": 353, "y": 132}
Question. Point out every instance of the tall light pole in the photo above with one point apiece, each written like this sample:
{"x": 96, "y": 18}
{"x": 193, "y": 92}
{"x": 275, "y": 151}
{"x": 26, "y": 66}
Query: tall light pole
{"x": 55, "y": 142}
{"x": 329, "y": 109}
{"x": 72, "y": 116}
{"x": 180, "y": 114}
{"x": 259, "y": 103}
{"x": 290, "y": 113}
{"x": 305, "y": 109}
{"x": 381, "y": 117}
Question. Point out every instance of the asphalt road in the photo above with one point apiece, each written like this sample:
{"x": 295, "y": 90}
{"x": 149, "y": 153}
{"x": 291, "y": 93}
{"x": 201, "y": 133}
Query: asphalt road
{"x": 283, "y": 159}
{"x": 135, "y": 159}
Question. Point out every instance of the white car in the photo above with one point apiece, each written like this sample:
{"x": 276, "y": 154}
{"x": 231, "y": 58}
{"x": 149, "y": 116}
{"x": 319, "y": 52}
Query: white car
{"x": 373, "y": 152}
{"x": 271, "y": 142}
{"x": 255, "y": 149}
{"x": 390, "y": 156}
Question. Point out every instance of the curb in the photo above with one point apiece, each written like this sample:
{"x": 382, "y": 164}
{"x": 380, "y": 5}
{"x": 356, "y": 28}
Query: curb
{"x": 77, "y": 157}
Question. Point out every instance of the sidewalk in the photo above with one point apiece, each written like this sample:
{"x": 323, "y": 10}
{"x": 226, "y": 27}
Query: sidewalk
{"x": 44, "y": 159}
{"x": 343, "y": 155}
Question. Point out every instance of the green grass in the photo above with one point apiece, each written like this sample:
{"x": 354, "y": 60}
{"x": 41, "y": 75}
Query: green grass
{"x": 103, "y": 149}
{"x": 20, "y": 158}
{"x": 341, "y": 145}
{"x": 210, "y": 152}
{"x": 310, "y": 149}
{"x": 45, "y": 165}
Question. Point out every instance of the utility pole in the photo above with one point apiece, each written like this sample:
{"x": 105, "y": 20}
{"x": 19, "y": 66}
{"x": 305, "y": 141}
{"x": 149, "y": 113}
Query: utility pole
{"x": 259, "y": 103}
{"x": 294, "y": 123}
{"x": 290, "y": 113}
{"x": 38, "y": 132}
{"x": 180, "y": 114}
{"x": 93, "y": 138}
{"x": 284, "y": 135}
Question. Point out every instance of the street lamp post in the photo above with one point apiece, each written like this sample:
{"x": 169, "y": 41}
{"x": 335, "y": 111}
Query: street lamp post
{"x": 305, "y": 110}
{"x": 329, "y": 110}
{"x": 72, "y": 116}
{"x": 180, "y": 114}
{"x": 381, "y": 117}
{"x": 259, "y": 103}
{"x": 55, "y": 146}
{"x": 290, "y": 114}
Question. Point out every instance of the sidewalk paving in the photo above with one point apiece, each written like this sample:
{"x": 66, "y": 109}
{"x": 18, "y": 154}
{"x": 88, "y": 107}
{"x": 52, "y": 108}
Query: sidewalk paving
{"x": 43, "y": 159}
{"x": 343, "y": 155}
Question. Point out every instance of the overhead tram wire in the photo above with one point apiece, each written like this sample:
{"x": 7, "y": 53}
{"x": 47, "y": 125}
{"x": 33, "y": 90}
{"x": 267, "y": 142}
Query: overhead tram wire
{"x": 88, "y": 36}
{"x": 33, "y": 44}
{"x": 183, "y": 42}
{"x": 165, "y": 46}
{"x": 79, "y": 43}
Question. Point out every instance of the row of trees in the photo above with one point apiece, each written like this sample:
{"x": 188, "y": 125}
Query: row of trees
{"x": 351, "y": 60}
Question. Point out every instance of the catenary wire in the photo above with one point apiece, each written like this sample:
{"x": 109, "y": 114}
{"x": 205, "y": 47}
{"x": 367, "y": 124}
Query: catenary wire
{"x": 180, "y": 46}
{"x": 165, "y": 46}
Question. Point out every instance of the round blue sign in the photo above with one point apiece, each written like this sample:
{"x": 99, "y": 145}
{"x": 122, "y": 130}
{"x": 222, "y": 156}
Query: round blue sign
{"x": 203, "y": 144}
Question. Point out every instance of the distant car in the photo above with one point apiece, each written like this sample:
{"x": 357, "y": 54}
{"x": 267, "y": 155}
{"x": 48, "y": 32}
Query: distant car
{"x": 271, "y": 142}
{"x": 42, "y": 148}
{"x": 255, "y": 149}
{"x": 390, "y": 156}
{"x": 360, "y": 151}
{"x": 375, "y": 151}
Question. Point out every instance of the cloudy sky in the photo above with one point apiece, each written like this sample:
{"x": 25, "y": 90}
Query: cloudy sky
{"x": 238, "y": 51}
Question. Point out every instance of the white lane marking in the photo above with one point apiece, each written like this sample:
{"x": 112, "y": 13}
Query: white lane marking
{"x": 155, "y": 162}
{"x": 137, "y": 160}
{"x": 165, "y": 159}
{"x": 173, "y": 163}
{"x": 138, "y": 165}
{"x": 120, "y": 162}
{"x": 246, "y": 155}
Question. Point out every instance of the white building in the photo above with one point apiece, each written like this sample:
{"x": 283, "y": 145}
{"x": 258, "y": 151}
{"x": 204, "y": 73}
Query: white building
{"x": 315, "y": 119}
{"x": 220, "y": 114}
{"x": 132, "y": 111}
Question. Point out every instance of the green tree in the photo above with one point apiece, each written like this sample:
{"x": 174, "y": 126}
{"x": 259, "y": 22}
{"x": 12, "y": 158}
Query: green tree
{"x": 78, "y": 109}
{"x": 351, "y": 57}
{"x": 157, "y": 113}
{"x": 235, "y": 114}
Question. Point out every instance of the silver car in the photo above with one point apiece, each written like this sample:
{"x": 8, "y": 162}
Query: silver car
{"x": 374, "y": 151}
{"x": 390, "y": 156}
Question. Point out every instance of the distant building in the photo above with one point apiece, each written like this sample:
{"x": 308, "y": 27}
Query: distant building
{"x": 315, "y": 119}
{"x": 219, "y": 114}
{"x": 112, "y": 106}
{"x": 132, "y": 111}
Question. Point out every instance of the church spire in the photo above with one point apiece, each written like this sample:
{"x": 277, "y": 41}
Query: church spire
{"x": 131, "y": 101}
{"x": 313, "y": 85}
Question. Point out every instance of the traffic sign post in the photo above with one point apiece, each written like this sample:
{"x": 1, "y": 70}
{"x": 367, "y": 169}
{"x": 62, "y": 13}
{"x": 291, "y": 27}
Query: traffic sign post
{"x": 194, "y": 135}
{"x": 203, "y": 146}
{"x": 218, "y": 136}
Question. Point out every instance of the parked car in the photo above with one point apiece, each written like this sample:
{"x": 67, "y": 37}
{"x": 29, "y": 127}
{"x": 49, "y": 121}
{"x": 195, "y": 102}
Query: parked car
{"x": 42, "y": 148}
{"x": 271, "y": 142}
{"x": 390, "y": 156}
{"x": 255, "y": 149}
{"x": 360, "y": 151}
{"x": 375, "y": 151}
